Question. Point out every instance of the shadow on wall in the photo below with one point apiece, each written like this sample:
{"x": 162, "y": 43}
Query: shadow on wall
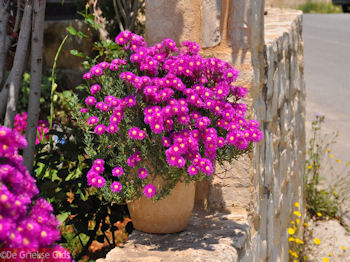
{"x": 229, "y": 190}
{"x": 238, "y": 30}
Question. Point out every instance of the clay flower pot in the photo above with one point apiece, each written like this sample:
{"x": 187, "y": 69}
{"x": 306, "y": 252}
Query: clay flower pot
{"x": 169, "y": 215}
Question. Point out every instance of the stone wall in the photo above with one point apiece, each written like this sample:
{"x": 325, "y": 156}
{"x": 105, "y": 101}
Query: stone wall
{"x": 279, "y": 159}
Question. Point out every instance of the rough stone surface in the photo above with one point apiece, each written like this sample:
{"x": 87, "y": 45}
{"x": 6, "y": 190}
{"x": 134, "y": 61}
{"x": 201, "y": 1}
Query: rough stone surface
{"x": 179, "y": 20}
{"x": 332, "y": 237}
{"x": 279, "y": 158}
{"x": 229, "y": 188}
{"x": 209, "y": 237}
{"x": 211, "y": 15}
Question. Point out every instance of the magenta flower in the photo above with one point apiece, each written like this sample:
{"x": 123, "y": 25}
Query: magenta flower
{"x": 104, "y": 107}
{"x": 231, "y": 138}
{"x": 121, "y": 40}
{"x": 103, "y": 65}
{"x": 97, "y": 181}
{"x": 95, "y": 88}
{"x": 192, "y": 170}
{"x": 127, "y": 76}
{"x": 99, "y": 169}
{"x": 114, "y": 120}
{"x": 183, "y": 119}
{"x": 119, "y": 61}
{"x": 202, "y": 122}
{"x": 111, "y": 129}
{"x": 134, "y": 159}
{"x": 130, "y": 101}
{"x": 136, "y": 133}
{"x": 220, "y": 141}
{"x": 96, "y": 70}
{"x": 170, "y": 44}
{"x": 84, "y": 110}
{"x": 157, "y": 128}
{"x": 115, "y": 102}
{"x": 108, "y": 99}
{"x": 242, "y": 143}
{"x": 166, "y": 141}
{"x": 253, "y": 123}
{"x": 142, "y": 173}
{"x": 90, "y": 101}
{"x": 149, "y": 191}
{"x": 23, "y": 216}
{"x": 195, "y": 115}
{"x": 100, "y": 129}
{"x": 93, "y": 120}
{"x": 99, "y": 162}
{"x": 180, "y": 162}
{"x": 117, "y": 171}
{"x": 87, "y": 76}
{"x": 116, "y": 187}
{"x": 239, "y": 91}
{"x": 113, "y": 67}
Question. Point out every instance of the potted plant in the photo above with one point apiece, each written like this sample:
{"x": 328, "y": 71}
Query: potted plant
{"x": 155, "y": 120}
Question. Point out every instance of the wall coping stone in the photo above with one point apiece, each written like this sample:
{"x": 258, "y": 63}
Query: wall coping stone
{"x": 208, "y": 237}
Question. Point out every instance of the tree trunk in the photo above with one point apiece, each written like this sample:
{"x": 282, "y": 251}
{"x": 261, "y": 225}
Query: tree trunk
{"x": 35, "y": 81}
{"x": 19, "y": 62}
{"x": 4, "y": 16}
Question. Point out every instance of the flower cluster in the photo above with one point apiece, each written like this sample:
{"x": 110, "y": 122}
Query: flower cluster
{"x": 189, "y": 102}
{"x": 20, "y": 125}
{"x": 25, "y": 221}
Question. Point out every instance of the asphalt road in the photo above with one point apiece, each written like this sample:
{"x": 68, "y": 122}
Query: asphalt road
{"x": 327, "y": 76}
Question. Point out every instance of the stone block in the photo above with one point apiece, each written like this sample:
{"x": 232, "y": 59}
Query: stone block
{"x": 211, "y": 15}
{"x": 208, "y": 237}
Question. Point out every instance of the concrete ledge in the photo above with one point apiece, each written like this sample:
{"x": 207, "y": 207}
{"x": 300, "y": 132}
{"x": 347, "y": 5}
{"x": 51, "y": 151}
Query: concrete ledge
{"x": 280, "y": 21}
{"x": 209, "y": 237}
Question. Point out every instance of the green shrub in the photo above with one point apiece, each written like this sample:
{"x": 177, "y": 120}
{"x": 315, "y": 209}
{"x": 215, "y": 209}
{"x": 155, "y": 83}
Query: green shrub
{"x": 319, "y": 7}
{"x": 60, "y": 168}
{"x": 319, "y": 198}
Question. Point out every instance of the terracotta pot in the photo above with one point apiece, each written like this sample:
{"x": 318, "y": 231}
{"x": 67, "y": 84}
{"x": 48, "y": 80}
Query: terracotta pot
{"x": 168, "y": 215}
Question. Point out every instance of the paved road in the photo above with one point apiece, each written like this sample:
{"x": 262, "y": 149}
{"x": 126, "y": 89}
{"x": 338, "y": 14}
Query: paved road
{"x": 327, "y": 75}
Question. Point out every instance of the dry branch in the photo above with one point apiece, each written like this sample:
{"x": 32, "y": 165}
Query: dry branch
{"x": 4, "y": 17}
{"x": 13, "y": 82}
{"x": 35, "y": 81}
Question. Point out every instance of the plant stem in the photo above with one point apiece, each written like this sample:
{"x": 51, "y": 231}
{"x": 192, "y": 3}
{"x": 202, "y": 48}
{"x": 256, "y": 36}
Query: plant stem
{"x": 54, "y": 85}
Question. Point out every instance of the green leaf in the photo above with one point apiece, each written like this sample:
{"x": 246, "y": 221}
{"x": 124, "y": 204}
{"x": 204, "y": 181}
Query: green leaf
{"x": 62, "y": 217}
{"x": 76, "y": 53}
{"x": 66, "y": 94}
{"x": 71, "y": 30}
{"x": 81, "y": 34}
